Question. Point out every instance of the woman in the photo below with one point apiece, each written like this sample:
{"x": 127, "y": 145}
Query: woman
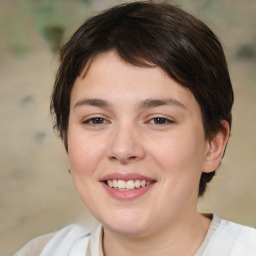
{"x": 142, "y": 101}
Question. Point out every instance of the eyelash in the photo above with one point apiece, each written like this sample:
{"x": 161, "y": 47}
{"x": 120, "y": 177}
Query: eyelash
{"x": 99, "y": 121}
{"x": 161, "y": 120}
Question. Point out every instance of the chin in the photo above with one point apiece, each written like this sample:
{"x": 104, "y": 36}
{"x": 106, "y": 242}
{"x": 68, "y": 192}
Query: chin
{"x": 126, "y": 229}
{"x": 126, "y": 224}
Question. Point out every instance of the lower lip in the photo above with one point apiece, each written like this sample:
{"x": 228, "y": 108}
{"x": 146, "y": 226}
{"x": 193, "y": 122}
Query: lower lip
{"x": 127, "y": 194}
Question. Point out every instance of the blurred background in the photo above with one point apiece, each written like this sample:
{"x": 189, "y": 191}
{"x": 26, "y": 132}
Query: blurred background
{"x": 36, "y": 192}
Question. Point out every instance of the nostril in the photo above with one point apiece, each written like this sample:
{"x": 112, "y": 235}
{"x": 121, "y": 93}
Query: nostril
{"x": 122, "y": 158}
{"x": 125, "y": 151}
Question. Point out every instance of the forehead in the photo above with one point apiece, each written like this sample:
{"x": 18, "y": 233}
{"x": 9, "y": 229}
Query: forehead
{"x": 109, "y": 77}
{"x": 109, "y": 60}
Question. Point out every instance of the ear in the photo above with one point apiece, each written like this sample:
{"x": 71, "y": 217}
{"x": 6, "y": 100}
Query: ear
{"x": 216, "y": 148}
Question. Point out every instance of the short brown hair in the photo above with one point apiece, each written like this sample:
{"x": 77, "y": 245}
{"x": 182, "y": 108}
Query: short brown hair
{"x": 150, "y": 34}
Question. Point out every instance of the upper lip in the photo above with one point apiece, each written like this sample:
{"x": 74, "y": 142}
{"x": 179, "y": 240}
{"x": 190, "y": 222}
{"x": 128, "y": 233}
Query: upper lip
{"x": 126, "y": 177}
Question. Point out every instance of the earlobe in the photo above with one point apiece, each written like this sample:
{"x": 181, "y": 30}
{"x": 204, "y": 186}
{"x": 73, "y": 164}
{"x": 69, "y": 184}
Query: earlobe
{"x": 216, "y": 148}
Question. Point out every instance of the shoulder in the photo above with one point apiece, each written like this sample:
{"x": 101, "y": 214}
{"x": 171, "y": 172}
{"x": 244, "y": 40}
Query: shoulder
{"x": 239, "y": 233}
{"x": 232, "y": 239}
{"x": 56, "y": 243}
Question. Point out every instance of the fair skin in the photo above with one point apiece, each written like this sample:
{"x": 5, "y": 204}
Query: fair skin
{"x": 129, "y": 123}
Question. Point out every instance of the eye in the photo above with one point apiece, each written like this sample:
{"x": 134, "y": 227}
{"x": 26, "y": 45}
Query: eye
{"x": 160, "y": 120}
{"x": 95, "y": 121}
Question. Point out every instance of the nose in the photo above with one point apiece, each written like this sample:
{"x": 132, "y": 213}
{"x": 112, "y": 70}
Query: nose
{"x": 125, "y": 145}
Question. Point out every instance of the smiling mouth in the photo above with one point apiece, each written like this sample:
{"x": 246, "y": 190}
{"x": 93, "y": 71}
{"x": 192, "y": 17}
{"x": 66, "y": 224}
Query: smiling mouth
{"x": 127, "y": 185}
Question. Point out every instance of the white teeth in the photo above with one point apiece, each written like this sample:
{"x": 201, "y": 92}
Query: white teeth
{"x": 110, "y": 183}
{"x": 128, "y": 185}
{"x": 121, "y": 184}
{"x": 115, "y": 184}
{"x": 143, "y": 183}
{"x": 137, "y": 183}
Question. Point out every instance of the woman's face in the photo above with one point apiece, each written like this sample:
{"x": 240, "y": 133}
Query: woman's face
{"x": 138, "y": 130}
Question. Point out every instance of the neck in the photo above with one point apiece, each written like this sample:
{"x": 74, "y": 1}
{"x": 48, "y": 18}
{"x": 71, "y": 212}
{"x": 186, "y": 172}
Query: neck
{"x": 177, "y": 239}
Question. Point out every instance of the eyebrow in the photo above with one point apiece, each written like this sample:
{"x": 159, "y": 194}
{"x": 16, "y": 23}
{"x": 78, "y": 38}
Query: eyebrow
{"x": 93, "y": 102}
{"x": 148, "y": 103}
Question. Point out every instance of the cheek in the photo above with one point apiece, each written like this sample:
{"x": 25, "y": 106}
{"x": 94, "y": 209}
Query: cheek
{"x": 84, "y": 153}
{"x": 180, "y": 158}
{"x": 173, "y": 151}
{"x": 181, "y": 163}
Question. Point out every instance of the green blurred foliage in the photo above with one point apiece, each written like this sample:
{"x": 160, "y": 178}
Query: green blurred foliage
{"x": 54, "y": 35}
{"x": 246, "y": 52}
{"x": 51, "y": 19}
{"x": 55, "y": 19}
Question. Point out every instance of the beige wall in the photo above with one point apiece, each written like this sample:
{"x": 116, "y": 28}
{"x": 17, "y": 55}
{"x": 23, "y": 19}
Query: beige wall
{"x": 36, "y": 193}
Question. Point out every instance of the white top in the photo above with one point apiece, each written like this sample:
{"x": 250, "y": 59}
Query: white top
{"x": 224, "y": 238}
